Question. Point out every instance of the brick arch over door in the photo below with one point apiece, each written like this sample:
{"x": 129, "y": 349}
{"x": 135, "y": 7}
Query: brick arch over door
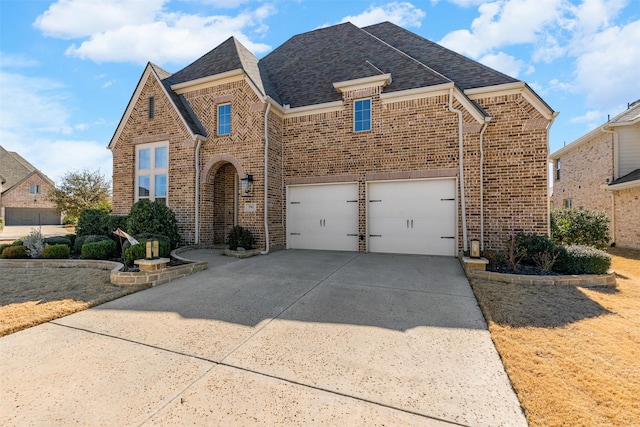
{"x": 218, "y": 160}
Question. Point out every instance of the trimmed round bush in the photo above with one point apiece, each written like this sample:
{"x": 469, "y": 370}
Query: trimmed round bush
{"x": 58, "y": 240}
{"x": 92, "y": 222}
{"x": 134, "y": 252}
{"x": 82, "y": 240}
{"x": 582, "y": 259}
{"x": 60, "y": 251}
{"x": 154, "y": 218}
{"x": 72, "y": 238}
{"x": 15, "y": 252}
{"x": 105, "y": 249}
{"x": 580, "y": 227}
{"x": 240, "y": 237}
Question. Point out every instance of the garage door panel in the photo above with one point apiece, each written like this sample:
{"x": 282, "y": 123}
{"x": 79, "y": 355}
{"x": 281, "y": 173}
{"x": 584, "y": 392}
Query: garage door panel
{"x": 412, "y": 217}
{"x": 323, "y": 217}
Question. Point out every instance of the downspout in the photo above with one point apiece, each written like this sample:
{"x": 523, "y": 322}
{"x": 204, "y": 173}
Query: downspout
{"x": 484, "y": 127}
{"x": 266, "y": 179}
{"x": 197, "y": 201}
{"x": 460, "y": 155}
{"x": 613, "y": 176}
{"x": 553, "y": 117}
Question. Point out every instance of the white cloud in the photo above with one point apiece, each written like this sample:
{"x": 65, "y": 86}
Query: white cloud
{"x": 504, "y": 63}
{"x": 403, "y": 14}
{"x": 462, "y": 3}
{"x": 125, "y": 31}
{"x": 9, "y": 60}
{"x": 590, "y": 117}
{"x": 504, "y": 23}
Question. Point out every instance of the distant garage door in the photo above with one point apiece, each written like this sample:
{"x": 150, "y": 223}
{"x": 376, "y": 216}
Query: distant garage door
{"x": 412, "y": 217}
{"x": 31, "y": 216}
{"x": 323, "y": 217}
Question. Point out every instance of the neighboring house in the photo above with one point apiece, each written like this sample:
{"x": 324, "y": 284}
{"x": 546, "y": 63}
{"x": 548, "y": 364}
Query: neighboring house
{"x": 343, "y": 138}
{"x": 23, "y": 192}
{"x": 601, "y": 171}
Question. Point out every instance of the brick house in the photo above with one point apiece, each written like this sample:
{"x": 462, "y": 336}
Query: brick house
{"x": 23, "y": 192}
{"x": 343, "y": 138}
{"x": 601, "y": 171}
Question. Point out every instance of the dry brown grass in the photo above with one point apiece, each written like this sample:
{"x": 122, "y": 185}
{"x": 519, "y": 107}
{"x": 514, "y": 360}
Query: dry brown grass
{"x": 30, "y": 296}
{"x": 572, "y": 354}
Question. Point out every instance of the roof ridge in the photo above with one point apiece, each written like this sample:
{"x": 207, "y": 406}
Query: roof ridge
{"x": 404, "y": 53}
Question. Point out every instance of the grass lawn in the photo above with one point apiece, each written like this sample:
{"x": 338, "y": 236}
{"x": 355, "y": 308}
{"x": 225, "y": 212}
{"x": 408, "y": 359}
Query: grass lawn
{"x": 572, "y": 354}
{"x": 32, "y": 296}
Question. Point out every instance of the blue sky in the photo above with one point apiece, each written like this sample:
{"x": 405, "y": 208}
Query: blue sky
{"x": 68, "y": 68}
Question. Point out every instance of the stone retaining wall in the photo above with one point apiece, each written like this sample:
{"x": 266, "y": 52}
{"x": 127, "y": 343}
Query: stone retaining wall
{"x": 586, "y": 280}
{"x": 62, "y": 263}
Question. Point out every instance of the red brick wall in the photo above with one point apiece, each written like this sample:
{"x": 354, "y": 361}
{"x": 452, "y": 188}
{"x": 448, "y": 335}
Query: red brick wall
{"x": 20, "y": 197}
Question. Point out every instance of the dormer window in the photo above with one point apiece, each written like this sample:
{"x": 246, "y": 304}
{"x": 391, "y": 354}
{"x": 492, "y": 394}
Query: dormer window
{"x": 224, "y": 119}
{"x": 362, "y": 115}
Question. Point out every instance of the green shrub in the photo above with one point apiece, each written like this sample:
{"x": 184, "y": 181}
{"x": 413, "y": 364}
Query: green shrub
{"x": 104, "y": 249}
{"x": 82, "y": 240}
{"x": 34, "y": 243}
{"x": 582, "y": 259}
{"x": 58, "y": 240}
{"x": 92, "y": 221}
{"x": 155, "y": 218}
{"x": 18, "y": 242}
{"x": 1, "y": 224}
{"x": 68, "y": 220}
{"x": 4, "y": 246}
{"x": 580, "y": 227}
{"x": 13, "y": 252}
{"x": 71, "y": 237}
{"x": 114, "y": 222}
{"x": 539, "y": 250}
{"x": 240, "y": 237}
{"x": 60, "y": 251}
{"x": 134, "y": 252}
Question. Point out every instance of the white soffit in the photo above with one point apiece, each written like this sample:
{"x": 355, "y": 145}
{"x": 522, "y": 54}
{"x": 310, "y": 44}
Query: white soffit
{"x": 365, "y": 82}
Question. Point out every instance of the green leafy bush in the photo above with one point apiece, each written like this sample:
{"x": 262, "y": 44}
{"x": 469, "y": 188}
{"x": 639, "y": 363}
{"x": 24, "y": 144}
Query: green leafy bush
{"x": 4, "y": 246}
{"x": 58, "y": 240}
{"x": 539, "y": 250}
{"x": 104, "y": 249}
{"x": 13, "y": 252}
{"x": 580, "y": 227}
{"x": 1, "y": 223}
{"x": 581, "y": 259}
{"x": 155, "y": 218}
{"x": 134, "y": 252}
{"x": 72, "y": 238}
{"x": 240, "y": 237}
{"x": 114, "y": 222}
{"x": 82, "y": 240}
{"x": 92, "y": 221}
{"x": 60, "y": 251}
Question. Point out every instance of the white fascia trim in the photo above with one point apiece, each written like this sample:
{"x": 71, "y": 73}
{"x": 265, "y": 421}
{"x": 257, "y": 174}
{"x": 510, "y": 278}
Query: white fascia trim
{"x": 623, "y": 186}
{"x": 417, "y": 93}
{"x": 627, "y": 123}
{"x": 469, "y": 106}
{"x": 365, "y": 82}
{"x": 509, "y": 89}
{"x": 309, "y": 110}
{"x": 207, "y": 81}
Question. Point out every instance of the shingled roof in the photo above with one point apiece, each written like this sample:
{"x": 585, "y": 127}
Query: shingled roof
{"x": 14, "y": 169}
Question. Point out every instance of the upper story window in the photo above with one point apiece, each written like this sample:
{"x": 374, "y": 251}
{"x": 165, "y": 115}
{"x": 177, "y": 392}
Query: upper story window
{"x": 558, "y": 170}
{"x": 568, "y": 203}
{"x": 224, "y": 119}
{"x": 151, "y": 108}
{"x": 152, "y": 162}
{"x": 362, "y": 115}
{"x": 34, "y": 189}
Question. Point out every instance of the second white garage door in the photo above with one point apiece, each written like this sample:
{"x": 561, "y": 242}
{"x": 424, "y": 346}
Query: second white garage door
{"x": 323, "y": 217}
{"x": 412, "y": 217}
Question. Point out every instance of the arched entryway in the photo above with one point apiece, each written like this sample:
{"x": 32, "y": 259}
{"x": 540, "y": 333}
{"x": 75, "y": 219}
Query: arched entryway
{"x": 219, "y": 203}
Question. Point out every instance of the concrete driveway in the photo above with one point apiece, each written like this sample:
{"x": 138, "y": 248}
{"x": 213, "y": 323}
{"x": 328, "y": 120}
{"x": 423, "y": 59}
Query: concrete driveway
{"x": 293, "y": 338}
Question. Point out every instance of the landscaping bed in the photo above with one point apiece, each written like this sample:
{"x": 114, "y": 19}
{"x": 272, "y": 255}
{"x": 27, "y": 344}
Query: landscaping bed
{"x": 571, "y": 352}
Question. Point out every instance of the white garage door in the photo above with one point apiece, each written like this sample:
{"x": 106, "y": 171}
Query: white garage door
{"x": 412, "y": 217}
{"x": 323, "y": 217}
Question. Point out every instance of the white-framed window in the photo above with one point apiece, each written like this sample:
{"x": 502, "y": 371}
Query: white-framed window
{"x": 568, "y": 203}
{"x": 558, "y": 170}
{"x": 152, "y": 166}
{"x": 224, "y": 119}
{"x": 34, "y": 189}
{"x": 362, "y": 115}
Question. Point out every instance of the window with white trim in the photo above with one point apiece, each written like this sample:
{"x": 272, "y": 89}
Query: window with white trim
{"x": 224, "y": 119}
{"x": 152, "y": 161}
{"x": 34, "y": 189}
{"x": 558, "y": 170}
{"x": 362, "y": 115}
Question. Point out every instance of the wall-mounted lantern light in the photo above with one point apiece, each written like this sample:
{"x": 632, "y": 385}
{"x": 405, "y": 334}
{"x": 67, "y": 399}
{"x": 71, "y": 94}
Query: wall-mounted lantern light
{"x": 247, "y": 185}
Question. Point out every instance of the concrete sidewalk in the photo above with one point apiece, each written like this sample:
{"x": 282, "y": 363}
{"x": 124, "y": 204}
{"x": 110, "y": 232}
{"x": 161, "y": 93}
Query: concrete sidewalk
{"x": 292, "y": 338}
{"x": 15, "y": 232}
